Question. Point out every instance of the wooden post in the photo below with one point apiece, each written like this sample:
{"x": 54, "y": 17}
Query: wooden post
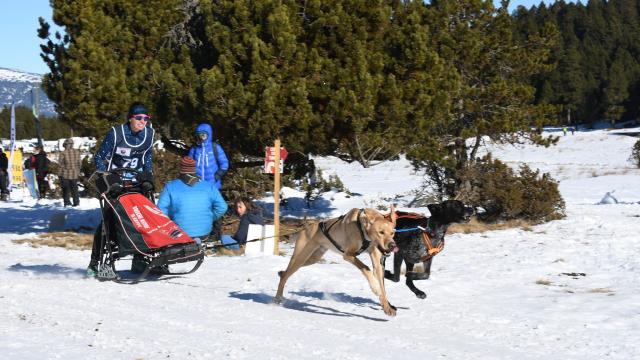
{"x": 276, "y": 198}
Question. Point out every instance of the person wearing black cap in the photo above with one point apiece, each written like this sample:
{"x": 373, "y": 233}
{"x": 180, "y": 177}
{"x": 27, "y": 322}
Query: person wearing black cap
{"x": 40, "y": 163}
{"x": 125, "y": 146}
{"x": 128, "y": 145}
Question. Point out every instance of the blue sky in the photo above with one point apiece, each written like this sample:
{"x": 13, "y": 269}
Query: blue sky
{"x": 21, "y": 44}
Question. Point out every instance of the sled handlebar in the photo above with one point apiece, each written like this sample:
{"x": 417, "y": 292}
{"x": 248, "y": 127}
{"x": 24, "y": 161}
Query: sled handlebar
{"x": 115, "y": 181}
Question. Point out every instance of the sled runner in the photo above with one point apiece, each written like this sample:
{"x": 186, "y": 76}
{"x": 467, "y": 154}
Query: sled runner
{"x": 133, "y": 225}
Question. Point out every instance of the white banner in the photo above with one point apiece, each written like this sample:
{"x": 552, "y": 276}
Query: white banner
{"x": 12, "y": 144}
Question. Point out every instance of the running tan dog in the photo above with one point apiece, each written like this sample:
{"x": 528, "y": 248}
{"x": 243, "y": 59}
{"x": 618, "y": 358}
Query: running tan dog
{"x": 359, "y": 230}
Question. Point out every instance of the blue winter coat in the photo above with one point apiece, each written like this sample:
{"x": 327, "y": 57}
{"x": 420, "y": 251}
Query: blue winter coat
{"x": 193, "y": 207}
{"x": 207, "y": 166}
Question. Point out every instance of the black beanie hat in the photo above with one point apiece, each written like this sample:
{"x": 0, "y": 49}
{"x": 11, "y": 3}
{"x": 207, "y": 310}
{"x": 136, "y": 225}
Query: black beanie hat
{"x": 137, "y": 108}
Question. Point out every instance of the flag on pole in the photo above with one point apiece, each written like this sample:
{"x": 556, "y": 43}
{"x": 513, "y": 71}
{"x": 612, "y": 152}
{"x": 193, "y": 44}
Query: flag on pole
{"x": 12, "y": 143}
{"x": 34, "y": 102}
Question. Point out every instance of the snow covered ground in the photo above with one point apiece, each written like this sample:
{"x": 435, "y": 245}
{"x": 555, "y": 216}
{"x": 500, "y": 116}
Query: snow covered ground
{"x": 568, "y": 289}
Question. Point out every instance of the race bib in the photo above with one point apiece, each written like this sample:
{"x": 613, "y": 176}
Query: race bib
{"x": 123, "y": 151}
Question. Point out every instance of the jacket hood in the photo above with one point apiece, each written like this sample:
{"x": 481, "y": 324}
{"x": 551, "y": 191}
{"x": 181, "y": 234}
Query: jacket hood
{"x": 207, "y": 128}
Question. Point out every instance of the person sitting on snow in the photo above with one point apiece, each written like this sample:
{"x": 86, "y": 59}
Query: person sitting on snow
{"x": 192, "y": 203}
{"x": 249, "y": 214}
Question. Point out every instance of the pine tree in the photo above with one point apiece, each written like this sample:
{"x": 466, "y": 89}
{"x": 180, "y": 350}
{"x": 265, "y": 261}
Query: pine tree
{"x": 115, "y": 53}
{"x": 341, "y": 78}
{"x": 256, "y": 76}
{"x": 492, "y": 96}
{"x": 52, "y": 128}
{"x": 360, "y": 96}
{"x": 597, "y": 74}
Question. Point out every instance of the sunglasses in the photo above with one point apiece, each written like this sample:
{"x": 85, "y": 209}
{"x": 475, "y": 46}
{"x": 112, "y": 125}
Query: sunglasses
{"x": 142, "y": 117}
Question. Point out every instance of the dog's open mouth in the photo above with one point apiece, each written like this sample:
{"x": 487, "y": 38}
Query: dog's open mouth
{"x": 391, "y": 249}
{"x": 468, "y": 213}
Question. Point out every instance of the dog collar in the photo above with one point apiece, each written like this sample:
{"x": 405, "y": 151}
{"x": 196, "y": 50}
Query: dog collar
{"x": 365, "y": 241}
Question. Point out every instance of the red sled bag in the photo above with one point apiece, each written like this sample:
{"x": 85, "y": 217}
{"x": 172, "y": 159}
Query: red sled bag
{"x": 142, "y": 228}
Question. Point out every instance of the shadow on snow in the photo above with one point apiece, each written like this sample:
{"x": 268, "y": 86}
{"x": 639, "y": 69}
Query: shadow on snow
{"x": 57, "y": 269}
{"x": 315, "y": 309}
{"x": 36, "y": 219}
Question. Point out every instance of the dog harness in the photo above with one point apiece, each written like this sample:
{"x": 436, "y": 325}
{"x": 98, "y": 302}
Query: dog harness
{"x": 325, "y": 230}
{"x": 432, "y": 247}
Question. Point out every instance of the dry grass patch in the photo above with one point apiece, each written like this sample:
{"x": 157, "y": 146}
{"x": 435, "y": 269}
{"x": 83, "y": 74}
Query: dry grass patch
{"x": 475, "y": 226}
{"x": 288, "y": 227}
{"x": 223, "y": 251}
{"x": 67, "y": 240}
{"x": 543, "y": 282}
{"x": 601, "y": 290}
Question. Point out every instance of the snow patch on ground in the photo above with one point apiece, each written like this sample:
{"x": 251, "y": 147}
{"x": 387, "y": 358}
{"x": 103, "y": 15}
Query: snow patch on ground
{"x": 567, "y": 289}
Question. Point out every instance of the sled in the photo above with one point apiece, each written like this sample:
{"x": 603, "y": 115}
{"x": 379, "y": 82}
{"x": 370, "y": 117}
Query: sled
{"x": 133, "y": 226}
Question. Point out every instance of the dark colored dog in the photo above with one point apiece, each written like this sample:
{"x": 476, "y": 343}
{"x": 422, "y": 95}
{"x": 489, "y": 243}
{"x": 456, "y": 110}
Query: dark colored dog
{"x": 413, "y": 248}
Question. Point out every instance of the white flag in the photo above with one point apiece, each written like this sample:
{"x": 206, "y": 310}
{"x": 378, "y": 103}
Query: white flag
{"x": 12, "y": 144}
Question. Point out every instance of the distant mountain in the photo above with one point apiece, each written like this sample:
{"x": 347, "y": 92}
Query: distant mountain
{"x": 16, "y": 86}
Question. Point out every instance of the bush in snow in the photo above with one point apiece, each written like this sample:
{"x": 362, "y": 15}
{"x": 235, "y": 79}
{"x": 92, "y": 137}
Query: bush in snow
{"x": 166, "y": 167}
{"x": 315, "y": 186}
{"x": 246, "y": 181}
{"x": 87, "y": 168}
{"x": 506, "y": 194}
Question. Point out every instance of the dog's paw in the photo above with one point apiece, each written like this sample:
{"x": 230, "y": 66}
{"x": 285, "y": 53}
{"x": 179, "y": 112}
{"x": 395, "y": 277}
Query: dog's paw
{"x": 277, "y": 300}
{"x": 390, "y": 310}
{"x": 421, "y": 294}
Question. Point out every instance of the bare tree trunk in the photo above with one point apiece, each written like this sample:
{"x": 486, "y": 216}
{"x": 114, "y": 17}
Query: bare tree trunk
{"x": 474, "y": 150}
{"x": 462, "y": 160}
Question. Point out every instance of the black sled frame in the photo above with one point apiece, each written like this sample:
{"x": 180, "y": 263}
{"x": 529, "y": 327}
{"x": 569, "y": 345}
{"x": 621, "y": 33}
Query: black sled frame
{"x": 112, "y": 185}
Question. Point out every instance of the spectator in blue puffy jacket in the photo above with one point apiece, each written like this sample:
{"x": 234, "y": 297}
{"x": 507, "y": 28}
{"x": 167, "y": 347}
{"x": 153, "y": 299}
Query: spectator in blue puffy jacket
{"x": 211, "y": 161}
{"x": 191, "y": 203}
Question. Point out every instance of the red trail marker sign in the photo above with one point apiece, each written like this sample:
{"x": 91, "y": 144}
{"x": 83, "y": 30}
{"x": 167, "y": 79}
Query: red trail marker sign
{"x": 270, "y": 159}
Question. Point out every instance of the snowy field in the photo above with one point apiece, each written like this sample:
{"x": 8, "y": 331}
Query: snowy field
{"x": 568, "y": 289}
